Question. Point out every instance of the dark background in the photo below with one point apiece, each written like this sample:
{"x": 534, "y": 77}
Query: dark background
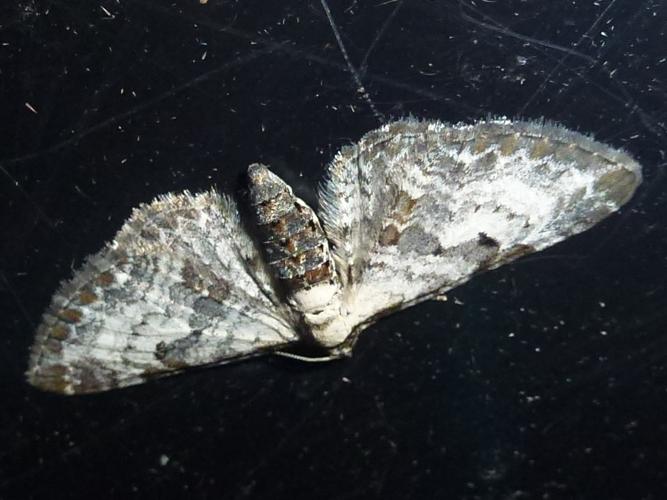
{"x": 544, "y": 379}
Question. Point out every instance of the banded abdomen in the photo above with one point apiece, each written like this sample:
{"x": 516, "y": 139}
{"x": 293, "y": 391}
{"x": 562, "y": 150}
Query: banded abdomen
{"x": 296, "y": 247}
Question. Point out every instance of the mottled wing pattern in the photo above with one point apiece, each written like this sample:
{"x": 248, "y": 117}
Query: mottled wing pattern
{"x": 416, "y": 208}
{"x": 181, "y": 285}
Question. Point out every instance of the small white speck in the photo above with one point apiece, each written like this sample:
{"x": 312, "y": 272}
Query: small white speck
{"x": 603, "y": 332}
{"x": 164, "y": 460}
{"x": 602, "y": 304}
{"x": 30, "y": 107}
{"x": 107, "y": 12}
{"x": 346, "y": 380}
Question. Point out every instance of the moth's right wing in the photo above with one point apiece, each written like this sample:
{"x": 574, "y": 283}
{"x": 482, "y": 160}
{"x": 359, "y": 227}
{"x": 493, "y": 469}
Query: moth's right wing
{"x": 182, "y": 285}
{"x": 416, "y": 208}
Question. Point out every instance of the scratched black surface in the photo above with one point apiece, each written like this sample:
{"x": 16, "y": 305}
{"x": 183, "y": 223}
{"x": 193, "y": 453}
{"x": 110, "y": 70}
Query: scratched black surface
{"x": 544, "y": 379}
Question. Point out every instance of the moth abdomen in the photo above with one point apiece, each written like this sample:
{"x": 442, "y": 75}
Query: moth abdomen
{"x": 296, "y": 247}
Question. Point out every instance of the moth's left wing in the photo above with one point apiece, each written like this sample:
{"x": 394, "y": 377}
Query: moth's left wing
{"x": 182, "y": 285}
{"x": 416, "y": 208}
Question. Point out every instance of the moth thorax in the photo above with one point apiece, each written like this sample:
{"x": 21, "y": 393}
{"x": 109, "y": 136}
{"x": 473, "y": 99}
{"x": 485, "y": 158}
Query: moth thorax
{"x": 296, "y": 247}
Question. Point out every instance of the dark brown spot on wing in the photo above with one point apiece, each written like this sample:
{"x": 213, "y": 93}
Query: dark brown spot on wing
{"x": 70, "y": 315}
{"x": 59, "y": 332}
{"x": 53, "y": 346}
{"x": 53, "y": 371}
{"x": 219, "y": 290}
{"x": 405, "y": 204}
{"x": 87, "y": 297}
{"x": 486, "y": 241}
{"x": 150, "y": 233}
{"x": 481, "y": 143}
{"x": 104, "y": 279}
{"x": 191, "y": 278}
{"x": 389, "y": 236}
{"x": 509, "y": 144}
{"x": 203, "y": 280}
{"x": 89, "y": 376}
{"x": 52, "y": 378}
{"x": 542, "y": 148}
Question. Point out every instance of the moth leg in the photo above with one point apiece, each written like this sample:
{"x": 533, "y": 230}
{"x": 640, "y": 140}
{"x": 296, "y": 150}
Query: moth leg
{"x": 312, "y": 359}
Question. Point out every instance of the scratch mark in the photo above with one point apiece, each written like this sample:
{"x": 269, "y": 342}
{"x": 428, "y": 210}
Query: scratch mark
{"x": 355, "y": 75}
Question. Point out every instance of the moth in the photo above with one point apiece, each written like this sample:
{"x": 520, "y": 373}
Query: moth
{"x": 410, "y": 211}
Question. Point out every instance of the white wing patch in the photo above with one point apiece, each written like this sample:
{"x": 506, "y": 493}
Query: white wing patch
{"x": 412, "y": 210}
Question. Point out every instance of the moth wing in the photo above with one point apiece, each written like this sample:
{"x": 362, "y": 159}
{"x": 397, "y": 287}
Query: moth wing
{"x": 416, "y": 208}
{"x": 181, "y": 285}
